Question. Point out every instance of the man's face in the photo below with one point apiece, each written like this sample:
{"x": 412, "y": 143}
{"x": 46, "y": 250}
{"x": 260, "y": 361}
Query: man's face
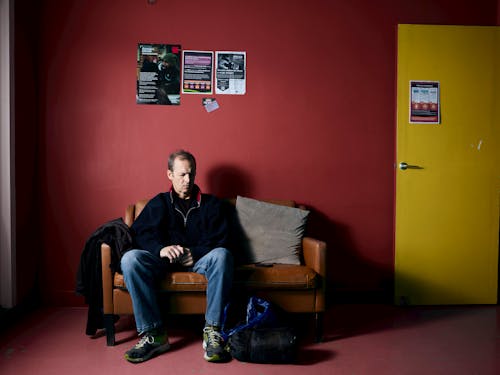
{"x": 182, "y": 178}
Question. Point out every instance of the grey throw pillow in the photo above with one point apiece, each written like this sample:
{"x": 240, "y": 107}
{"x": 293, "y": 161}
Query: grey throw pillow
{"x": 273, "y": 233}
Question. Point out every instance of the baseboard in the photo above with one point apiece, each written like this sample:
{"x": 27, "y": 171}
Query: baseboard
{"x": 62, "y": 298}
{"x": 29, "y": 303}
{"x": 358, "y": 296}
{"x": 334, "y": 296}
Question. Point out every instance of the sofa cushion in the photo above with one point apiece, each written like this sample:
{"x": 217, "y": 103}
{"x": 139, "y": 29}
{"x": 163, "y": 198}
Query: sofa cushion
{"x": 272, "y": 233}
{"x": 173, "y": 281}
{"x": 279, "y": 276}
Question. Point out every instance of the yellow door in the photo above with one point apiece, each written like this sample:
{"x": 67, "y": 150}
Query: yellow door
{"x": 447, "y": 200}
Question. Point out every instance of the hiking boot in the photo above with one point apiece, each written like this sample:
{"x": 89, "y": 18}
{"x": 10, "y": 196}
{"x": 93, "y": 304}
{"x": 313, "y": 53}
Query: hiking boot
{"x": 150, "y": 345}
{"x": 214, "y": 345}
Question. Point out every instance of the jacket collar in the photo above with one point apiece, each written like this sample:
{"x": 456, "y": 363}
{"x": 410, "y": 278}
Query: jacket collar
{"x": 196, "y": 193}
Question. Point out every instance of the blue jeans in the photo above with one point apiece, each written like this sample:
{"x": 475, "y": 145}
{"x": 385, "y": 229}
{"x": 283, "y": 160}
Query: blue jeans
{"x": 142, "y": 272}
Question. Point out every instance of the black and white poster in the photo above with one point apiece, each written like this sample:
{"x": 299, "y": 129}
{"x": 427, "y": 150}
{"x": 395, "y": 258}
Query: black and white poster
{"x": 230, "y": 73}
{"x": 158, "y": 74}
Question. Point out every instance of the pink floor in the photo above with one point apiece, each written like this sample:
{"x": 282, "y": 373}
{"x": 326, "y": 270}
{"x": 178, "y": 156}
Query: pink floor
{"x": 359, "y": 339}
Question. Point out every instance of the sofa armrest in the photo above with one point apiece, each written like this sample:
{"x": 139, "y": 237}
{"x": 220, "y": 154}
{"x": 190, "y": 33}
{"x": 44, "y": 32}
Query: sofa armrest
{"x": 107, "y": 279}
{"x": 314, "y": 252}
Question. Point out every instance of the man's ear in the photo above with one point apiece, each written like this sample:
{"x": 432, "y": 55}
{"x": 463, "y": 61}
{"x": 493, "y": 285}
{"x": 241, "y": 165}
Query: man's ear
{"x": 170, "y": 174}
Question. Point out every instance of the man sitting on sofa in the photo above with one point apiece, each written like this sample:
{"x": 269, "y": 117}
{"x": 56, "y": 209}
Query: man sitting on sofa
{"x": 185, "y": 229}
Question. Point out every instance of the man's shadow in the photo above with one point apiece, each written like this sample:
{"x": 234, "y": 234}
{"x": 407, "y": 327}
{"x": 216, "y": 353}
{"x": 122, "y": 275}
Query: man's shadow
{"x": 228, "y": 181}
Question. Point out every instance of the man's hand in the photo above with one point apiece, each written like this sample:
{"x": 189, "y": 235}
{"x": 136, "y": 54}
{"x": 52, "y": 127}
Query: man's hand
{"x": 177, "y": 254}
{"x": 187, "y": 259}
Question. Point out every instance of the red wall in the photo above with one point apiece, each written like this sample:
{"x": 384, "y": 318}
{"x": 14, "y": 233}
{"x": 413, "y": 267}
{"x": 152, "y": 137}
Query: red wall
{"x": 317, "y": 123}
{"x": 498, "y": 13}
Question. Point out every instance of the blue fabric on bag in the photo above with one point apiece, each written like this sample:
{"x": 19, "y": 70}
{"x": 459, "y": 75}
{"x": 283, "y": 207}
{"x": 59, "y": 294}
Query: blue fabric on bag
{"x": 259, "y": 314}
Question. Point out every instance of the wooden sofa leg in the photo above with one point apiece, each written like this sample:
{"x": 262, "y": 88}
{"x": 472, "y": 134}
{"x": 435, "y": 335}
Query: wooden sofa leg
{"x": 109, "y": 326}
{"x": 318, "y": 323}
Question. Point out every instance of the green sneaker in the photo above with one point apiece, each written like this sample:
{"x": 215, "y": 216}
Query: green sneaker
{"x": 148, "y": 346}
{"x": 214, "y": 345}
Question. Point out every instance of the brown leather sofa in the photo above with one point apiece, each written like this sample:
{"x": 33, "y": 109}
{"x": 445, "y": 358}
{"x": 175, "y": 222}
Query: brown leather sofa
{"x": 295, "y": 288}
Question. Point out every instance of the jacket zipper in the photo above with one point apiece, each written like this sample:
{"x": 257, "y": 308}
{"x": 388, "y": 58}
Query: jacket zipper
{"x": 185, "y": 217}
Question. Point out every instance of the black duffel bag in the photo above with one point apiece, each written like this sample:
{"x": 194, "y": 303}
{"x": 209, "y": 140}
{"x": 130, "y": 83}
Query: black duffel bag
{"x": 264, "y": 345}
{"x": 264, "y": 337}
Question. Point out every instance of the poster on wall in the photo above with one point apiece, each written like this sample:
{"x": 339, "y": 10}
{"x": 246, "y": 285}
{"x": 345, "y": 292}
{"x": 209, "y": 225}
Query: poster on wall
{"x": 424, "y": 102}
{"x": 158, "y": 74}
{"x": 197, "y": 72}
{"x": 230, "y": 73}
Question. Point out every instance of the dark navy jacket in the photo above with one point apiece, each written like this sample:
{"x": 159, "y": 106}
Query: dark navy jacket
{"x": 89, "y": 275}
{"x": 161, "y": 223}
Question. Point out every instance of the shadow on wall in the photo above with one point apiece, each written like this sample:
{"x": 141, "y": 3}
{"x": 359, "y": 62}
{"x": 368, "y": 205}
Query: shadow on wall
{"x": 228, "y": 181}
{"x": 350, "y": 279}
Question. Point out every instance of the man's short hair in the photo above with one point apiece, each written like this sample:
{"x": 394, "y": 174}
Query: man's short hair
{"x": 182, "y": 155}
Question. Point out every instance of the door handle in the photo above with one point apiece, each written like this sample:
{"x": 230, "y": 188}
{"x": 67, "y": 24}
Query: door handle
{"x": 404, "y": 166}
